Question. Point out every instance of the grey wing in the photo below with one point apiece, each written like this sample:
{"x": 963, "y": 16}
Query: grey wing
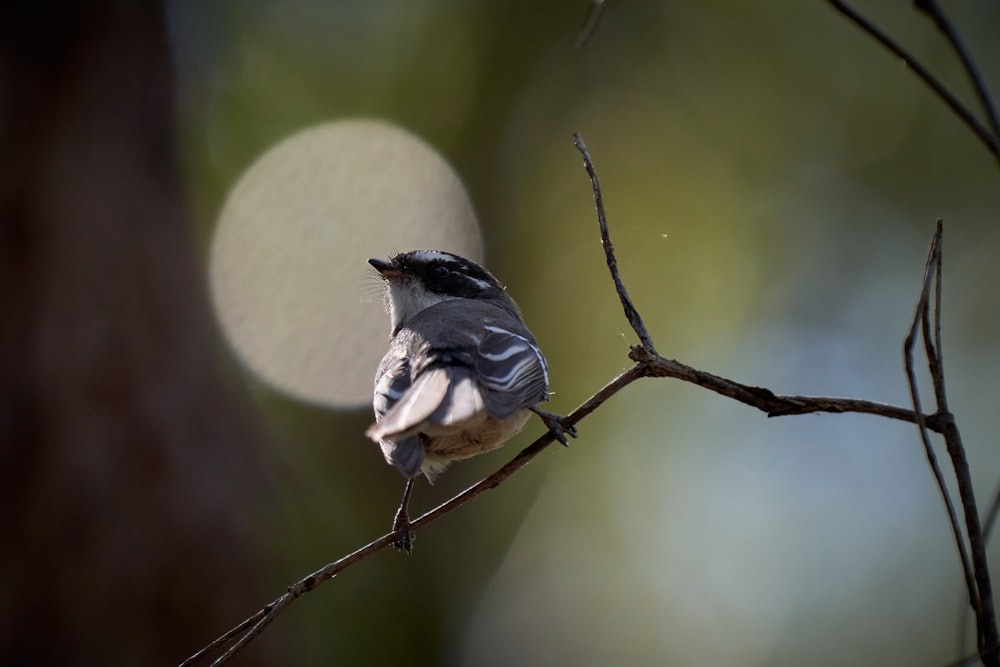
{"x": 391, "y": 383}
{"x": 411, "y": 409}
{"x": 512, "y": 367}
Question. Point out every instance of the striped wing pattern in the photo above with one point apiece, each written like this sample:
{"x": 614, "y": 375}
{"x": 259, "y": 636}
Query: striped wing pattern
{"x": 391, "y": 384}
{"x": 514, "y": 370}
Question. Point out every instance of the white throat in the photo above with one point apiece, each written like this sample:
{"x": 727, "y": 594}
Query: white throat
{"x": 406, "y": 299}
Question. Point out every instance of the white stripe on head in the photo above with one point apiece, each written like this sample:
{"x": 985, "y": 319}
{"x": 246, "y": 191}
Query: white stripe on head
{"x": 432, "y": 256}
{"x": 435, "y": 256}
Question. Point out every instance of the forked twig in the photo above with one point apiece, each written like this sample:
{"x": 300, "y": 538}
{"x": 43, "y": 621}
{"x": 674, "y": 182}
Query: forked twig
{"x": 631, "y": 314}
{"x": 921, "y": 316}
{"x": 975, "y": 568}
{"x": 936, "y": 14}
{"x": 988, "y": 138}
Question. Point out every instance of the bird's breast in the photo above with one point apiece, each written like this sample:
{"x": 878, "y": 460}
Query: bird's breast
{"x": 476, "y": 437}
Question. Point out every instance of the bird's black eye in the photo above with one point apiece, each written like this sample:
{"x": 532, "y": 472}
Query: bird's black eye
{"x": 440, "y": 271}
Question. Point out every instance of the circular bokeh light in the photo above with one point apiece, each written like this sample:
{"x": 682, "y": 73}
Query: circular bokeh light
{"x": 289, "y": 278}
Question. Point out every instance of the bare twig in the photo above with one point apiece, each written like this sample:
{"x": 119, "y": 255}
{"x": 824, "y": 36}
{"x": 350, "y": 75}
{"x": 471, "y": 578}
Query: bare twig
{"x": 989, "y": 139}
{"x": 260, "y": 620}
{"x": 631, "y": 314}
{"x": 936, "y": 14}
{"x": 773, "y": 405}
{"x": 224, "y": 639}
{"x": 976, "y": 572}
{"x": 921, "y": 316}
{"x": 976, "y": 569}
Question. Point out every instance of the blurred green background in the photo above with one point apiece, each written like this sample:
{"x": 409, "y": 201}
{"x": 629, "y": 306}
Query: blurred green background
{"x": 772, "y": 178}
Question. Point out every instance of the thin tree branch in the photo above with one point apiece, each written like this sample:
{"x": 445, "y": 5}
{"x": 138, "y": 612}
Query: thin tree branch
{"x": 986, "y": 614}
{"x": 263, "y": 618}
{"x": 225, "y": 638}
{"x": 944, "y": 25}
{"x": 988, "y": 138}
{"x": 920, "y": 316}
{"x": 773, "y": 405}
{"x": 976, "y": 569}
{"x": 976, "y": 573}
{"x": 631, "y": 314}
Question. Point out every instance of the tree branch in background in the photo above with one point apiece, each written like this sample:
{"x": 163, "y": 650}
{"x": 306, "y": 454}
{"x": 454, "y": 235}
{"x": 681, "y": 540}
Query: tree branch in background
{"x": 989, "y": 138}
{"x": 936, "y": 14}
{"x": 976, "y": 573}
{"x": 631, "y": 314}
{"x": 977, "y": 576}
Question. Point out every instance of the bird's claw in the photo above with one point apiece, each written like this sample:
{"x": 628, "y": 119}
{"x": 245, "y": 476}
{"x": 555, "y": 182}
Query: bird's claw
{"x": 555, "y": 425}
{"x": 403, "y": 537}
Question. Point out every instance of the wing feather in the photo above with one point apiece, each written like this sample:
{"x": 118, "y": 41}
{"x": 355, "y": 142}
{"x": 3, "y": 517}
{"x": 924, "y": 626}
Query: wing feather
{"x": 418, "y": 403}
{"x": 513, "y": 368}
{"x": 464, "y": 401}
{"x": 391, "y": 384}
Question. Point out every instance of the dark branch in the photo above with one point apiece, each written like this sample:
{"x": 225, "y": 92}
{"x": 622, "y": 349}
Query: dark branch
{"x": 976, "y": 570}
{"x": 981, "y": 131}
{"x": 263, "y": 618}
{"x": 920, "y": 315}
{"x": 986, "y": 616}
{"x": 936, "y": 14}
{"x": 766, "y": 401}
{"x": 631, "y": 314}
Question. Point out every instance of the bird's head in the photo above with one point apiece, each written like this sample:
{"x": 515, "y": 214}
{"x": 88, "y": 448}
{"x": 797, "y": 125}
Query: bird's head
{"x": 419, "y": 279}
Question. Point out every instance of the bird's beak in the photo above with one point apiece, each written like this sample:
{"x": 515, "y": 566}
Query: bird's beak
{"x": 387, "y": 270}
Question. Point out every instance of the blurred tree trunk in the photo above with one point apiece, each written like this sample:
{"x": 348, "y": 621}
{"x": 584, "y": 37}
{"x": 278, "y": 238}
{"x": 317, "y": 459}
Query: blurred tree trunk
{"x": 128, "y": 471}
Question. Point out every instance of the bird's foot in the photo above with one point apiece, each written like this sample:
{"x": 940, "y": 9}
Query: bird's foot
{"x": 404, "y": 537}
{"x": 555, "y": 425}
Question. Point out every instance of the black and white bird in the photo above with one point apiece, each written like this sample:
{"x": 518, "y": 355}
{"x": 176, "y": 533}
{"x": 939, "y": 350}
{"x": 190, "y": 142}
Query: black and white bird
{"x": 462, "y": 375}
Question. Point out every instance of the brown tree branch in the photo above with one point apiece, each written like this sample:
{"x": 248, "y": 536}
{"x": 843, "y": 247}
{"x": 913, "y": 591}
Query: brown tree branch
{"x": 988, "y": 138}
{"x": 977, "y": 575}
{"x": 936, "y": 14}
{"x": 631, "y": 314}
{"x": 918, "y": 324}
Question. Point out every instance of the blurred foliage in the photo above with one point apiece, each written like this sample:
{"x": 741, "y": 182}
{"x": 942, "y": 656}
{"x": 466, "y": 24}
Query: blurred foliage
{"x": 771, "y": 178}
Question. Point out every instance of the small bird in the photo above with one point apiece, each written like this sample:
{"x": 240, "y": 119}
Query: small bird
{"x": 462, "y": 375}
